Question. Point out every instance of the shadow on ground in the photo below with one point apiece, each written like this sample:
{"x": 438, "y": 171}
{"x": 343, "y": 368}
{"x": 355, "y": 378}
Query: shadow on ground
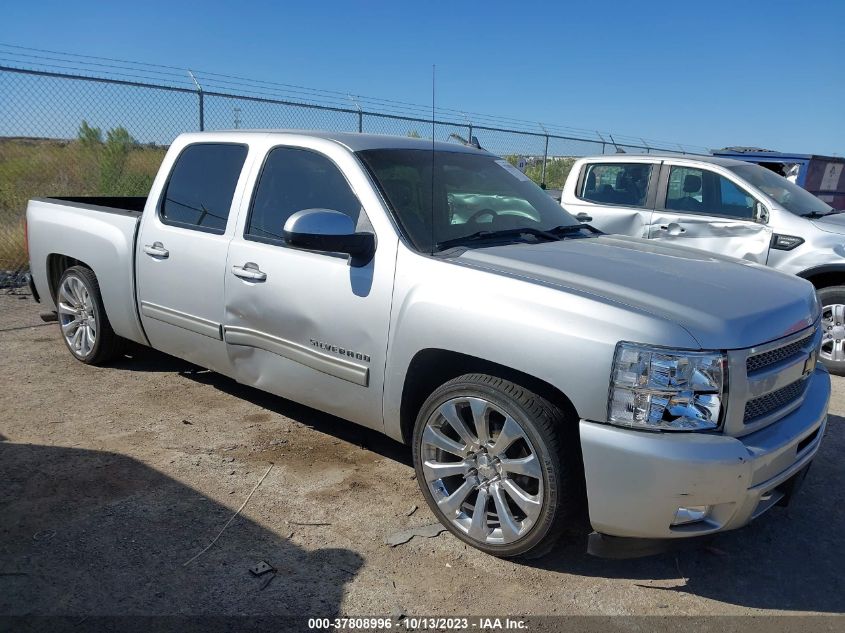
{"x": 789, "y": 559}
{"x": 95, "y": 533}
{"x": 148, "y": 360}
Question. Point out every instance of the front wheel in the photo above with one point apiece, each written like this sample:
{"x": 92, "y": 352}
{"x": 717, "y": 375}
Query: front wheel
{"x": 832, "y": 352}
{"x": 496, "y": 465}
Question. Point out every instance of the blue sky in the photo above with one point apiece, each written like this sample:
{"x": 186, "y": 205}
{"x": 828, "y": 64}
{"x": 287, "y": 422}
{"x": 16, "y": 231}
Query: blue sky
{"x": 712, "y": 73}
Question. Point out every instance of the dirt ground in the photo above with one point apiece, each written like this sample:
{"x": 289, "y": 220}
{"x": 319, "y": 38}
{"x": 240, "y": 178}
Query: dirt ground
{"x": 111, "y": 479}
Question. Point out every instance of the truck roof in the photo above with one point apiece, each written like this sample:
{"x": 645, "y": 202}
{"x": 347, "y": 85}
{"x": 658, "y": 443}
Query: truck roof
{"x": 715, "y": 160}
{"x": 771, "y": 155}
{"x": 353, "y": 141}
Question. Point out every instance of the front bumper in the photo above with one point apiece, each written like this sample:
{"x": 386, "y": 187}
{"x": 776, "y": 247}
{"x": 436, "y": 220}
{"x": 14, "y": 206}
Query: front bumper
{"x": 637, "y": 480}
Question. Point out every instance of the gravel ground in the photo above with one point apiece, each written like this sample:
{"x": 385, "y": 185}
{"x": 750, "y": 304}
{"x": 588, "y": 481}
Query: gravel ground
{"x": 113, "y": 478}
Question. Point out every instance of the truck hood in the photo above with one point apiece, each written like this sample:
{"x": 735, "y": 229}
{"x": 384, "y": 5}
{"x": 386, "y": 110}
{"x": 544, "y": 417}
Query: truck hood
{"x": 723, "y": 303}
{"x": 834, "y": 223}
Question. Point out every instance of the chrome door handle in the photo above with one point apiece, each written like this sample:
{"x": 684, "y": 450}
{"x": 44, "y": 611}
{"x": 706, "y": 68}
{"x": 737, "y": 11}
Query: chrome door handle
{"x": 249, "y": 271}
{"x": 156, "y": 249}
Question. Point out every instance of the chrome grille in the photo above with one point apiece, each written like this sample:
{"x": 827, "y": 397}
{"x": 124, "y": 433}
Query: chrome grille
{"x": 761, "y": 361}
{"x": 758, "y": 407}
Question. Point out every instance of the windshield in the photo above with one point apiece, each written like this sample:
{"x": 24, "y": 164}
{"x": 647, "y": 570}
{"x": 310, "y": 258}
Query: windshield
{"x": 786, "y": 193}
{"x": 471, "y": 193}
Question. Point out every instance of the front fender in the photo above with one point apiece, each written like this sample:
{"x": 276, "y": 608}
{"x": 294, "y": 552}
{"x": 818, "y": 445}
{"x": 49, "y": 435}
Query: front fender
{"x": 564, "y": 338}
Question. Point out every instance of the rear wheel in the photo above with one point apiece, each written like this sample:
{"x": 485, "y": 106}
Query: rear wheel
{"x": 82, "y": 318}
{"x": 832, "y": 352}
{"x": 491, "y": 465}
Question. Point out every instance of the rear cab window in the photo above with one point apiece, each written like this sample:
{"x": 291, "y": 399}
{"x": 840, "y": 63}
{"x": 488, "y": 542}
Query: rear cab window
{"x": 624, "y": 184}
{"x": 199, "y": 191}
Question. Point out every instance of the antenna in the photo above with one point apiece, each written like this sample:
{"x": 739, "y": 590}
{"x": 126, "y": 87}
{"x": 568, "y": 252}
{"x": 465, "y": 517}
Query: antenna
{"x": 433, "y": 70}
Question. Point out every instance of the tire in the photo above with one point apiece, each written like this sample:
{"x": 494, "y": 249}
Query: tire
{"x": 832, "y": 353}
{"x": 83, "y": 323}
{"x": 547, "y": 446}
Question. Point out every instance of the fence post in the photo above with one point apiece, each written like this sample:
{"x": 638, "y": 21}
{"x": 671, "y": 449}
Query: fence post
{"x": 545, "y": 159}
{"x": 360, "y": 113}
{"x": 602, "y": 141}
{"x": 202, "y": 101}
{"x": 545, "y": 154}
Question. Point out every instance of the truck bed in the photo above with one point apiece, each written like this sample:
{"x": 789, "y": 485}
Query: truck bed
{"x": 99, "y": 232}
{"x": 127, "y": 205}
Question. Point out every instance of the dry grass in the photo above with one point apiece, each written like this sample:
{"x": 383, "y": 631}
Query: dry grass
{"x": 32, "y": 168}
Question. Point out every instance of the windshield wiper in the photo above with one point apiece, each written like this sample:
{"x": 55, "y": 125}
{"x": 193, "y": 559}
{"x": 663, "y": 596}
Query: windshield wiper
{"x": 483, "y": 236}
{"x": 572, "y": 228}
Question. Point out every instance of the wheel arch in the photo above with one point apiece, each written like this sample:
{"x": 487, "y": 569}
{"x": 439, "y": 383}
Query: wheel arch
{"x": 431, "y": 367}
{"x": 57, "y": 264}
{"x": 825, "y": 276}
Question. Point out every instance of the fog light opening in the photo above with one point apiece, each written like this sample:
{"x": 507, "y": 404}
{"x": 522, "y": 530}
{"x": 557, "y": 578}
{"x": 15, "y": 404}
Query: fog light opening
{"x": 690, "y": 514}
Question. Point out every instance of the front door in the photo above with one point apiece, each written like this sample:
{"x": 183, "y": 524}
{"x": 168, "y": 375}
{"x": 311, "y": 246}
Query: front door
{"x": 703, "y": 209}
{"x": 182, "y": 250}
{"x": 309, "y": 325}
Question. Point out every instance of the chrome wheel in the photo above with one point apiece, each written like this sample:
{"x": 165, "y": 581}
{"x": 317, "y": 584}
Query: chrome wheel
{"x": 76, "y": 316}
{"x": 482, "y": 470}
{"x": 833, "y": 333}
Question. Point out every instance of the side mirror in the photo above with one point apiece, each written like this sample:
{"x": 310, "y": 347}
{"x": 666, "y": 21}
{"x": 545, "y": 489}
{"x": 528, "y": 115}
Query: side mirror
{"x": 328, "y": 231}
{"x": 761, "y": 213}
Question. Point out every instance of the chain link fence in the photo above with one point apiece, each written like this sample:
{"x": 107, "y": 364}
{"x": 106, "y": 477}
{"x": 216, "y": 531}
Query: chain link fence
{"x": 64, "y": 134}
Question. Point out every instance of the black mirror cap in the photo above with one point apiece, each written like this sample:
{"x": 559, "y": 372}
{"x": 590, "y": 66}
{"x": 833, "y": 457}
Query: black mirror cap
{"x": 359, "y": 246}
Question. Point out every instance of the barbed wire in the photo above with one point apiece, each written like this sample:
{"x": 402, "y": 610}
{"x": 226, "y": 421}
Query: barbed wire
{"x": 27, "y": 57}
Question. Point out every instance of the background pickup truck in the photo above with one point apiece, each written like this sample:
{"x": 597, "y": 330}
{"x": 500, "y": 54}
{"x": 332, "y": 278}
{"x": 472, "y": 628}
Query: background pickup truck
{"x": 535, "y": 365}
{"x": 724, "y": 206}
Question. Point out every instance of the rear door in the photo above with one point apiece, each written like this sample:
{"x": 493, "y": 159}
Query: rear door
{"x": 617, "y": 197}
{"x": 181, "y": 253}
{"x": 702, "y": 208}
{"x": 309, "y": 325}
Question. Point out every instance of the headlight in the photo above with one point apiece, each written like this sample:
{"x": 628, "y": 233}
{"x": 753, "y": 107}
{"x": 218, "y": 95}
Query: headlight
{"x": 666, "y": 390}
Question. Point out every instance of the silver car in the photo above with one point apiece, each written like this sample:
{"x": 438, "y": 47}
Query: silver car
{"x": 723, "y": 206}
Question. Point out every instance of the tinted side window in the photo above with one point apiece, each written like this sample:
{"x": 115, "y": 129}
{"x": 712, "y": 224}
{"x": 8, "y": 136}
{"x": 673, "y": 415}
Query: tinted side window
{"x": 616, "y": 183}
{"x": 292, "y": 180}
{"x": 199, "y": 192}
{"x": 701, "y": 191}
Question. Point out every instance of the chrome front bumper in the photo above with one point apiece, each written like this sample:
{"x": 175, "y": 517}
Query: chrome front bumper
{"x": 637, "y": 480}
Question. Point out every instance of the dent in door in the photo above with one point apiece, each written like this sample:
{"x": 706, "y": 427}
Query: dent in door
{"x": 310, "y": 356}
{"x": 619, "y": 220}
{"x": 734, "y": 238}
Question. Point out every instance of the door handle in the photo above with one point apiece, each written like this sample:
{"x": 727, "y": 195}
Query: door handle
{"x": 584, "y": 217}
{"x": 673, "y": 228}
{"x": 249, "y": 271}
{"x": 156, "y": 249}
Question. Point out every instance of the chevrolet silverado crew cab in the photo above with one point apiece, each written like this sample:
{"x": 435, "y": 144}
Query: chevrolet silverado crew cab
{"x": 536, "y": 366}
{"x": 724, "y": 206}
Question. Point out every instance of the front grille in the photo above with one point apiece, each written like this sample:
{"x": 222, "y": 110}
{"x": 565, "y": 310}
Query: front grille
{"x": 761, "y": 361}
{"x": 758, "y": 407}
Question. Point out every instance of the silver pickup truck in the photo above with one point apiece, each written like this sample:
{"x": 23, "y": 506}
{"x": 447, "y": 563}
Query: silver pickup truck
{"x": 725, "y": 206}
{"x": 432, "y": 292}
